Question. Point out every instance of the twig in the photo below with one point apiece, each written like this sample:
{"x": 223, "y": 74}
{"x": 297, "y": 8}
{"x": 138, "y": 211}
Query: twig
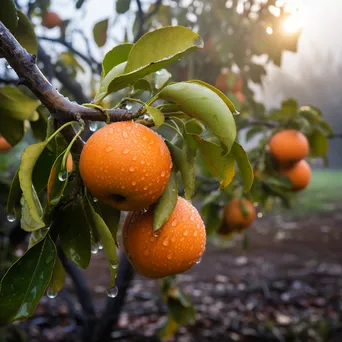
{"x": 94, "y": 65}
{"x": 24, "y": 64}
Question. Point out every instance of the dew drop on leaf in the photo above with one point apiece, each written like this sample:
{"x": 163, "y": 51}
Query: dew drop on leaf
{"x": 112, "y": 292}
{"x": 11, "y": 217}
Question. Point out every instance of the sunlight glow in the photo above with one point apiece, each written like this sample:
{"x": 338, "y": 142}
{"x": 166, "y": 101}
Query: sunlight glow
{"x": 293, "y": 23}
{"x": 269, "y": 30}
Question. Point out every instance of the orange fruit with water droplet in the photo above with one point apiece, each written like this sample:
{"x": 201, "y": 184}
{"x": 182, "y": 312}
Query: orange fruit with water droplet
{"x": 239, "y": 214}
{"x": 51, "y": 20}
{"x": 299, "y": 175}
{"x": 289, "y": 146}
{"x": 4, "y": 145}
{"x": 173, "y": 249}
{"x": 126, "y": 165}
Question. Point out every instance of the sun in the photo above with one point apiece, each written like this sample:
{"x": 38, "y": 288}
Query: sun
{"x": 293, "y": 24}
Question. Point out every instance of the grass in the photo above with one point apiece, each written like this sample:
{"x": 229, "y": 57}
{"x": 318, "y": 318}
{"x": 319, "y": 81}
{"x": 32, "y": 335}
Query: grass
{"x": 322, "y": 195}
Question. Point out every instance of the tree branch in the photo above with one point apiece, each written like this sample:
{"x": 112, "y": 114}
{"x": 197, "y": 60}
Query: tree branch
{"x": 24, "y": 64}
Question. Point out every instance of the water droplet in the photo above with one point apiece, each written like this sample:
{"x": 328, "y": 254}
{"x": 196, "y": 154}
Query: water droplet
{"x": 94, "y": 248}
{"x": 158, "y": 72}
{"x": 51, "y": 292}
{"x": 192, "y": 218}
{"x": 129, "y": 106}
{"x": 125, "y": 134}
{"x": 195, "y": 233}
{"x": 100, "y": 246}
{"x": 11, "y": 217}
{"x": 109, "y": 148}
{"x": 169, "y": 256}
{"x": 142, "y": 162}
{"x": 135, "y": 141}
{"x": 147, "y": 252}
{"x": 93, "y": 126}
{"x": 186, "y": 233}
{"x": 174, "y": 223}
{"x": 236, "y": 112}
{"x": 166, "y": 242}
{"x": 260, "y": 215}
{"x": 145, "y": 188}
{"x": 114, "y": 265}
{"x": 163, "y": 173}
{"x": 129, "y": 128}
{"x": 125, "y": 150}
{"x": 134, "y": 158}
{"x": 156, "y": 234}
{"x": 8, "y": 66}
{"x": 111, "y": 130}
{"x": 199, "y": 261}
{"x": 62, "y": 176}
{"x": 131, "y": 168}
{"x": 134, "y": 183}
{"x": 144, "y": 138}
{"x": 112, "y": 292}
{"x": 256, "y": 204}
{"x": 95, "y": 200}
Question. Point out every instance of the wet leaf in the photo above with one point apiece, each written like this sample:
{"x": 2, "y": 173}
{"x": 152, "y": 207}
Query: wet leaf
{"x": 58, "y": 276}
{"x": 204, "y": 104}
{"x": 27, "y": 222}
{"x": 107, "y": 241}
{"x": 185, "y": 165}
{"x": 166, "y": 202}
{"x": 169, "y": 44}
{"x": 74, "y": 233}
{"x": 26, "y": 281}
{"x": 115, "y": 56}
{"x": 156, "y": 114}
{"x": 14, "y": 195}
{"x": 122, "y": 6}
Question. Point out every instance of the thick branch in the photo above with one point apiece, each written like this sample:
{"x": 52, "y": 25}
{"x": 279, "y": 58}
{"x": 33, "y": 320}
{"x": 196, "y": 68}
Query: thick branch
{"x": 24, "y": 64}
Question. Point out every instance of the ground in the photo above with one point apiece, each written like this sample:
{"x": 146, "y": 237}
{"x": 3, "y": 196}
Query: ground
{"x": 286, "y": 286}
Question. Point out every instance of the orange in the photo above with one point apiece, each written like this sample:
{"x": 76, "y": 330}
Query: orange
{"x": 51, "y": 20}
{"x": 240, "y": 97}
{"x": 126, "y": 165}
{"x": 299, "y": 175}
{"x": 289, "y": 146}
{"x": 239, "y": 213}
{"x": 4, "y": 145}
{"x": 174, "y": 248}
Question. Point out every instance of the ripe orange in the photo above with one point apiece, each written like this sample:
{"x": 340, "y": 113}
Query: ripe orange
{"x": 299, "y": 174}
{"x": 51, "y": 20}
{"x": 126, "y": 165}
{"x": 4, "y": 145}
{"x": 239, "y": 213}
{"x": 174, "y": 248}
{"x": 289, "y": 146}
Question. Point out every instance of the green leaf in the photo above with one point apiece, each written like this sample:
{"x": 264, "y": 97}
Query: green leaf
{"x": 100, "y": 32}
{"x": 153, "y": 51}
{"x": 122, "y": 6}
{"x": 244, "y": 165}
{"x": 26, "y": 281}
{"x": 156, "y": 114}
{"x": 39, "y": 127}
{"x": 142, "y": 85}
{"x": 27, "y": 222}
{"x": 14, "y": 195}
{"x": 252, "y": 132}
{"x": 202, "y": 103}
{"x": 25, "y": 34}
{"x": 16, "y": 105}
{"x": 28, "y": 161}
{"x": 58, "y": 180}
{"x": 223, "y": 97}
{"x": 11, "y": 129}
{"x": 212, "y": 216}
{"x": 280, "y": 181}
{"x": 185, "y": 165}
{"x": 160, "y": 78}
{"x": 289, "y": 108}
{"x": 169, "y": 328}
{"x": 111, "y": 216}
{"x": 115, "y": 56}
{"x": 8, "y": 15}
{"x": 58, "y": 277}
{"x": 107, "y": 241}
{"x": 221, "y": 166}
{"x": 166, "y": 203}
{"x": 181, "y": 313}
{"x": 74, "y": 233}
{"x": 319, "y": 144}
